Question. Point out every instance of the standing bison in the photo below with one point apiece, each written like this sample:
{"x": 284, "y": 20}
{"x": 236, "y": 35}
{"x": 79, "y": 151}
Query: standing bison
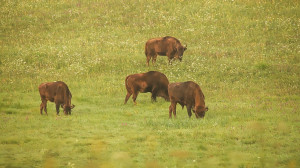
{"x": 152, "y": 81}
{"x": 57, "y": 92}
{"x": 187, "y": 94}
{"x": 164, "y": 46}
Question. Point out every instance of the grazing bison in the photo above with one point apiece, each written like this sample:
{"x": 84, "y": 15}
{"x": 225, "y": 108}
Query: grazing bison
{"x": 57, "y": 92}
{"x": 187, "y": 94}
{"x": 164, "y": 46}
{"x": 152, "y": 81}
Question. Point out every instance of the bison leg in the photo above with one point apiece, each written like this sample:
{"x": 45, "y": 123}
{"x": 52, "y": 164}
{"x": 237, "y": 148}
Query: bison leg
{"x": 127, "y": 97}
{"x": 169, "y": 59}
{"x": 43, "y": 106}
{"x": 154, "y": 59}
{"x": 148, "y": 59}
{"x": 134, "y": 96}
{"x": 172, "y": 108}
{"x": 45, "y": 109}
{"x": 57, "y": 109}
{"x": 154, "y": 94}
{"x": 170, "y": 111}
{"x": 189, "y": 108}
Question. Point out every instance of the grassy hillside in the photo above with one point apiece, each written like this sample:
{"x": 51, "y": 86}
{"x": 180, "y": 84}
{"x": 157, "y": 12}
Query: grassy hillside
{"x": 244, "y": 54}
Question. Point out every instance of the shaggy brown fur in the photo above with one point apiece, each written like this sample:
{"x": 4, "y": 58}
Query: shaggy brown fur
{"x": 164, "y": 46}
{"x": 152, "y": 81}
{"x": 187, "y": 94}
{"x": 57, "y": 92}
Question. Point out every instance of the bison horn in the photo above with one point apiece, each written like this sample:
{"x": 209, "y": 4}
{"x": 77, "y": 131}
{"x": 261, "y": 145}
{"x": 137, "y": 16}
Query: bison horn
{"x": 185, "y": 47}
{"x": 72, "y": 106}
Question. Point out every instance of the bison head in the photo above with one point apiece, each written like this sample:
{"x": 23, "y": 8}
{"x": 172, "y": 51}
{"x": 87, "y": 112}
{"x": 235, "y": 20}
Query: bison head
{"x": 67, "y": 109}
{"x": 180, "y": 51}
{"x": 164, "y": 94}
{"x": 200, "y": 111}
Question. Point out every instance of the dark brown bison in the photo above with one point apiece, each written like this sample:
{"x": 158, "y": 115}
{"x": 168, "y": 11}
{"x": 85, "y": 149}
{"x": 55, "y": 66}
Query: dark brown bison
{"x": 152, "y": 81}
{"x": 57, "y": 92}
{"x": 187, "y": 94}
{"x": 164, "y": 46}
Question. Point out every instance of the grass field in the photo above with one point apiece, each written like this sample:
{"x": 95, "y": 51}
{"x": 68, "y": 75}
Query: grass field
{"x": 244, "y": 54}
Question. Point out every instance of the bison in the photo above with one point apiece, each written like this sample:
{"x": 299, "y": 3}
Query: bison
{"x": 152, "y": 81}
{"x": 187, "y": 94}
{"x": 57, "y": 92}
{"x": 164, "y": 46}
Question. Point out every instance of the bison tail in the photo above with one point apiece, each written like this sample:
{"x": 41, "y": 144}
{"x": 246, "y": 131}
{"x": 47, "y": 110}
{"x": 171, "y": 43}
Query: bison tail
{"x": 126, "y": 84}
{"x": 146, "y": 51}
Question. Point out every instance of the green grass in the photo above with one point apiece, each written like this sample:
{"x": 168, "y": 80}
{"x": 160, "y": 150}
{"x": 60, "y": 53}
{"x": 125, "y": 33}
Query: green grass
{"x": 244, "y": 54}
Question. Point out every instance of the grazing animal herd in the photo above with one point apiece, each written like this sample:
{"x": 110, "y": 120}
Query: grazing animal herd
{"x": 187, "y": 94}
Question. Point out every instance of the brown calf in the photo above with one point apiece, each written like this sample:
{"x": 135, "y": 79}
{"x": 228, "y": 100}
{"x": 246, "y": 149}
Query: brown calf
{"x": 152, "y": 81}
{"x": 164, "y": 46}
{"x": 187, "y": 94}
{"x": 57, "y": 92}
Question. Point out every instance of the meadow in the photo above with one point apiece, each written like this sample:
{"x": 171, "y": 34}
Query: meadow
{"x": 244, "y": 54}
